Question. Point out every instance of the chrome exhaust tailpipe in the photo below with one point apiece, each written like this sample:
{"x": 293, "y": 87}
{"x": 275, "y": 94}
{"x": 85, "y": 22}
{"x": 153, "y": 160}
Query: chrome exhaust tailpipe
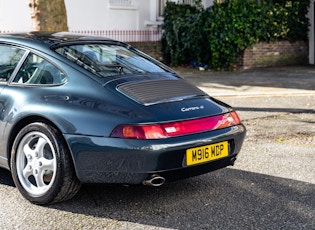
{"x": 155, "y": 180}
{"x": 232, "y": 161}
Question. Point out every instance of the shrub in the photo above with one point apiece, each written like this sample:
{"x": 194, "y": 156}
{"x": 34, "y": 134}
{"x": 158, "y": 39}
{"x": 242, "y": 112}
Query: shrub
{"x": 183, "y": 31}
{"x": 231, "y": 27}
{"x": 219, "y": 34}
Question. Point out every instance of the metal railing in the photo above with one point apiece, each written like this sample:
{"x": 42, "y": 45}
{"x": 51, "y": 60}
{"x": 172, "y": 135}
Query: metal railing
{"x": 8, "y": 31}
{"x": 125, "y": 35}
{"x": 120, "y": 35}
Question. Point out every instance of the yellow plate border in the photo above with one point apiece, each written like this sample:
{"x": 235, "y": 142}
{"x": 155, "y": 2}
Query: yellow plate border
{"x": 207, "y": 153}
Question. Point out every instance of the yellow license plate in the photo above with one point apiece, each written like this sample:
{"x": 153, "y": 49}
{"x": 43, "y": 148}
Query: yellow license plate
{"x": 207, "y": 153}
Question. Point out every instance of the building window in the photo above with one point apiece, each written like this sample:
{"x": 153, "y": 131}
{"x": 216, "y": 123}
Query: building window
{"x": 122, "y": 4}
{"x": 162, "y": 4}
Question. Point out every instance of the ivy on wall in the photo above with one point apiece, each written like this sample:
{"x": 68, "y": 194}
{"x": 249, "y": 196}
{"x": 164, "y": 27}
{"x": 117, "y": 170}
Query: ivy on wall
{"x": 218, "y": 34}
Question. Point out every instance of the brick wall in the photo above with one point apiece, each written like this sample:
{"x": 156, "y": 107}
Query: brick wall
{"x": 280, "y": 53}
{"x": 154, "y": 49}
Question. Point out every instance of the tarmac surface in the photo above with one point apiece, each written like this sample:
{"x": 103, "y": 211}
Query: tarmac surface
{"x": 271, "y": 186}
{"x": 289, "y": 80}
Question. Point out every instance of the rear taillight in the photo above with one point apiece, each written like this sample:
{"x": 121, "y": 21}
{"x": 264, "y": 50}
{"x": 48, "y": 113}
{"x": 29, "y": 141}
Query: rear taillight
{"x": 139, "y": 132}
{"x": 178, "y": 128}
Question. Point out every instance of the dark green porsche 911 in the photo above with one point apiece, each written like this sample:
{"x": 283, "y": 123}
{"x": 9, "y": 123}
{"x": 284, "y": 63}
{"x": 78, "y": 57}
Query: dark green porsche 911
{"x": 77, "y": 109}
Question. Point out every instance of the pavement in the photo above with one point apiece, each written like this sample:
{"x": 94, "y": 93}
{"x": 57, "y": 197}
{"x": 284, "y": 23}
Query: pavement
{"x": 277, "y": 81}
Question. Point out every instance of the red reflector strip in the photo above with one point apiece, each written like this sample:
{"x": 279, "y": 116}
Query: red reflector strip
{"x": 201, "y": 125}
{"x": 179, "y": 128}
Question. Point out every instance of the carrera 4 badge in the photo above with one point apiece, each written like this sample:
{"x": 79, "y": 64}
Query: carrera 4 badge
{"x": 188, "y": 109}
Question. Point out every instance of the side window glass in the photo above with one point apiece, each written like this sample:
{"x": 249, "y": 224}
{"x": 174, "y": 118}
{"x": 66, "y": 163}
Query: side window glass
{"x": 9, "y": 58}
{"x": 36, "y": 70}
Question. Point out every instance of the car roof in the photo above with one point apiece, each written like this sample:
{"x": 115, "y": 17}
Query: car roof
{"x": 49, "y": 39}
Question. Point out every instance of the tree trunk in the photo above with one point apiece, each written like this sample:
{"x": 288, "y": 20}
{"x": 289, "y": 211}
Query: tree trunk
{"x": 48, "y": 15}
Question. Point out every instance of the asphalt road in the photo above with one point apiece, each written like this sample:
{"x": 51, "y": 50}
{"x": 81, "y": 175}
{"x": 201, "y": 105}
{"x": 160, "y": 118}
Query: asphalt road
{"x": 271, "y": 186}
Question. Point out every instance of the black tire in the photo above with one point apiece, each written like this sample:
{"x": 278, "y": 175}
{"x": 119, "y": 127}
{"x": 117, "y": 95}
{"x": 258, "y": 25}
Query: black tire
{"x": 41, "y": 165}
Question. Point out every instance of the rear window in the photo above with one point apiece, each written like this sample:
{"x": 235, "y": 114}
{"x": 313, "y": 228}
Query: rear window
{"x": 108, "y": 60}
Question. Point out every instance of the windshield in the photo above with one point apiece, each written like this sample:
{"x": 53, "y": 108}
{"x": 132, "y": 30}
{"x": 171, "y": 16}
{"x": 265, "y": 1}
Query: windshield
{"x": 108, "y": 60}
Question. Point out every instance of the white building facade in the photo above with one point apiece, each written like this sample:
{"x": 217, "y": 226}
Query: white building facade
{"x": 14, "y": 16}
{"x": 93, "y": 14}
{"x": 126, "y": 20}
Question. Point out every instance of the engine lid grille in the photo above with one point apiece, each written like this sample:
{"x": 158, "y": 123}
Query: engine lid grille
{"x": 159, "y": 91}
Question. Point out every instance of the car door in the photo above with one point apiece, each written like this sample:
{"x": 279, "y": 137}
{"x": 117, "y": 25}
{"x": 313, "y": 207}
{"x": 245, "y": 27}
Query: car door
{"x": 10, "y": 57}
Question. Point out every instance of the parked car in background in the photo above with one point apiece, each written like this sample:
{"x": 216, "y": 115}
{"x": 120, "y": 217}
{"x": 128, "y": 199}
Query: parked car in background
{"x": 76, "y": 109}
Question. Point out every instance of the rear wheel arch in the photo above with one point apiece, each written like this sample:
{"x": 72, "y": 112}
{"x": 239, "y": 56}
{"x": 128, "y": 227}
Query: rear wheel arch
{"x": 21, "y": 124}
{"x": 34, "y": 132}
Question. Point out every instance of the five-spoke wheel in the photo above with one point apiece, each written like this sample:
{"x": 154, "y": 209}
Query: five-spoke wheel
{"x": 41, "y": 165}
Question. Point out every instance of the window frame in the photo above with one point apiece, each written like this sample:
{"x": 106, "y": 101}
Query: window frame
{"x": 18, "y": 64}
{"x": 21, "y": 63}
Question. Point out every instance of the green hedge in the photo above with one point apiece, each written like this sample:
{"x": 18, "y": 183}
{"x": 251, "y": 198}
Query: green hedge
{"x": 181, "y": 31}
{"x": 217, "y": 35}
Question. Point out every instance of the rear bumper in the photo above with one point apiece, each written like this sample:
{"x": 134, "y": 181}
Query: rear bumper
{"x": 114, "y": 160}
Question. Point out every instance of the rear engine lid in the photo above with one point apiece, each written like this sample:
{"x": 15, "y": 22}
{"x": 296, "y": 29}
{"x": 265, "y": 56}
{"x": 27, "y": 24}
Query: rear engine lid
{"x": 150, "y": 92}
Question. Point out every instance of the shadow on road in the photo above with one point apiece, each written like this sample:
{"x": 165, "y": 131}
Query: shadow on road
{"x": 280, "y": 77}
{"x": 276, "y": 110}
{"x": 224, "y": 199}
{"x": 5, "y": 178}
